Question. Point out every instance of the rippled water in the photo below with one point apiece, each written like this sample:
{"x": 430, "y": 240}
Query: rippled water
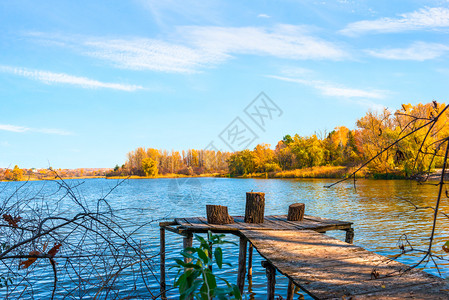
{"x": 377, "y": 208}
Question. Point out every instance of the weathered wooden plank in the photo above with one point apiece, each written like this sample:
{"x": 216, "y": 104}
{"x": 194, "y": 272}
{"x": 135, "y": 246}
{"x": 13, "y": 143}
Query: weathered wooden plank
{"x": 328, "y": 268}
{"x": 437, "y": 291}
{"x": 183, "y": 222}
{"x": 172, "y": 229}
{"x": 163, "y": 224}
{"x": 325, "y": 220}
{"x": 270, "y": 223}
{"x": 215, "y": 227}
{"x": 200, "y": 225}
{"x": 312, "y": 224}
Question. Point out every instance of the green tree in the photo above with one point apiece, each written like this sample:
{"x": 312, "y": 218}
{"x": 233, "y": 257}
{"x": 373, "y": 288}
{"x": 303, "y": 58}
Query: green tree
{"x": 242, "y": 162}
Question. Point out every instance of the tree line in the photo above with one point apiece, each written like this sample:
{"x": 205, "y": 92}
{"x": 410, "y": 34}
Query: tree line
{"x": 152, "y": 162}
{"x": 21, "y": 174}
{"x": 417, "y": 153}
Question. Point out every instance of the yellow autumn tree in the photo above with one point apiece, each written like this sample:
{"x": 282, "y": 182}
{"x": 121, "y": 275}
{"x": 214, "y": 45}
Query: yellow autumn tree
{"x": 149, "y": 167}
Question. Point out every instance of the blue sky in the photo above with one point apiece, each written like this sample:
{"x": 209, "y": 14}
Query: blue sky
{"x": 84, "y": 82}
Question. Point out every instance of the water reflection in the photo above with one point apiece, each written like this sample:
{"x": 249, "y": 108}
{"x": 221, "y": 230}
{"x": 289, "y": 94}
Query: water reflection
{"x": 379, "y": 210}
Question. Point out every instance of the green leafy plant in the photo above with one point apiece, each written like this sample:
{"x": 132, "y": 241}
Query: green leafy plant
{"x": 195, "y": 278}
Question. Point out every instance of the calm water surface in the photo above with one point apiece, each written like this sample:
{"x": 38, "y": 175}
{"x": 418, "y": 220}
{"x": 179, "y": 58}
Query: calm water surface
{"x": 377, "y": 208}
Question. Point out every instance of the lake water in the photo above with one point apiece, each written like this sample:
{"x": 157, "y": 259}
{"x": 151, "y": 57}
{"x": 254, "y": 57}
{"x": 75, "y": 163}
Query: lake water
{"x": 379, "y": 210}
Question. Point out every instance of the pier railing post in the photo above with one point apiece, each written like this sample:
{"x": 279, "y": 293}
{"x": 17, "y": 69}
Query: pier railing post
{"x": 271, "y": 279}
{"x": 349, "y": 235}
{"x": 162, "y": 260}
{"x": 242, "y": 264}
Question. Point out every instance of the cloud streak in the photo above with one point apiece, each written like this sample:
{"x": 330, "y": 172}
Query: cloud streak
{"x": 418, "y": 51}
{"x": 23, "y": 129}
{"x": 62, "y": 78}
{"x": 422, "y": 19}
{"x": 282, "y": 41}
{"x": 358, "y": 96}
{"x": 150, "y": 54}
{"x": 193, "y": 48}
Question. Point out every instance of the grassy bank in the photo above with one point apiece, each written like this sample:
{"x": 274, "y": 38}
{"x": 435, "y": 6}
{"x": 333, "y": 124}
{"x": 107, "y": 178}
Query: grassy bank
{"x": 314, "y": 172}
{"x": 170, "y": 175}
{"x": 323, "y": 172}
{"x": 335, "y": 172}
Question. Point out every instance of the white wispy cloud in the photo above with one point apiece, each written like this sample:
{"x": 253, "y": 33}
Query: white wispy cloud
{"x": 62, "y": 78}
{"x": 331, "y": 89}
{"x": 13, "y": 128}
{"x": 192, "y": 48}
{"x": 150, "y": 54}
{"x": 263, "y": 16}
{"x": 422, "y": 19}
{"x": 164, "y": 13}
{"x": 22, "y": 129}
{"x": 283, "y": 41}
{"x": 358, "y": 96}
{"x": 418, "y": 51}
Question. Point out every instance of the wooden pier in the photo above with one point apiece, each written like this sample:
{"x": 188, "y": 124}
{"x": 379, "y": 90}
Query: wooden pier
{"x": 323, "y": 267}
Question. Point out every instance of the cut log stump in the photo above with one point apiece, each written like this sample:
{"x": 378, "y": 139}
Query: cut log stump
{"x": 255, "y": 206}
{"x": 217, "y": 214}
{"x": 296, "y": 212}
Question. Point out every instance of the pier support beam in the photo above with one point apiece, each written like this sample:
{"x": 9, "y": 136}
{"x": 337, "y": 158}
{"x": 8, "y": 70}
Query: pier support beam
{"x": 187, "y": 242}
{"x": 349, "y": 235}
{"x": 271, "y": 279}
{"x": 250, "y": 261}
{"x": 210, "y": 255}
{"x": 162, "y": 260}
{"x": 290, "y": 290}
{"x": 242, "y": 264}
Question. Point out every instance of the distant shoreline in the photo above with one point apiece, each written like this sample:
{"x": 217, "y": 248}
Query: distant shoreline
{"x": 323, "y": 172}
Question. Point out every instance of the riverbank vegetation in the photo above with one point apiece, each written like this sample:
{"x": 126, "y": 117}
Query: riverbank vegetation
{"x": 331, "y": 155}
{"x": 21, "y": 174}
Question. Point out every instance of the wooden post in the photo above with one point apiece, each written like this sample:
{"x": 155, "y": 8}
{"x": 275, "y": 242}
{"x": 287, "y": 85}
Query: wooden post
{"x": 210, "y": 254}
{"x": 242, "y": 265}
{"x": 255, "y": 206}
{"x": 162, "y": 254}
{"x": 349, "y": 235}
{"x": 217, "y": 214}
{"x": 290, "y": 290}
{"x": 187, "y": 242}
{"x": 296, "y": 212}
{"x": 271, "y": 279}
{"x": 250, "y": 261}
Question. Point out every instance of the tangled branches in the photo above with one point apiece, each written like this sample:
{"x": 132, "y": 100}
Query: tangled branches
{"x": 57, "y": 244}
{"x": 426, "y": 128}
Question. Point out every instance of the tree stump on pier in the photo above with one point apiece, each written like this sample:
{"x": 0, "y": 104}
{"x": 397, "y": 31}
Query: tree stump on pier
{"x": 255, "y": 207}
{"x": 296, "y": 212}
{"x": 217, "y": 214}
